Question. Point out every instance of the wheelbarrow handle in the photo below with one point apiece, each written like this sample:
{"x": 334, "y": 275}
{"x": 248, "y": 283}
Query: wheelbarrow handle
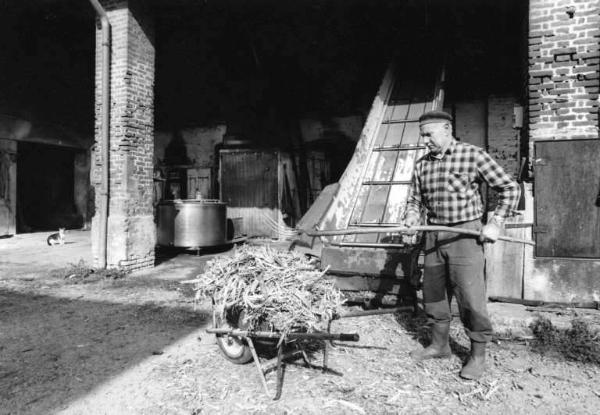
{"x": 347, "y": 337}
{"x": 350, "y": 337}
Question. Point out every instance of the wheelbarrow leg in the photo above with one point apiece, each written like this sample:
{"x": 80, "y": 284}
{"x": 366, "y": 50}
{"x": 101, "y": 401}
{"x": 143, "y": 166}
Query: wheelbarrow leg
{"x": 328, "y": 344}
{"x": 279, "y": 371}
{"x": 258, "y": 366}
{"x": 325, "y": 356}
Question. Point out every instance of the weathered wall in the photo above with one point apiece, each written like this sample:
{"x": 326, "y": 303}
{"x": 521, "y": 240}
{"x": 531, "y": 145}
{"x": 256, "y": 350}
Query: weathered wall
{"x": 199, "y": 144}
{"x": 503, "y": 140}
{"x": 18, "y": 129}
{"x": 131, "y": 230}
{"x": 348, "y": 127}
{"x": 470, "y": 121}
{"x": 82, "y": 189}
{"x": 564, "y": 59}
{"x": 564, "y": 72}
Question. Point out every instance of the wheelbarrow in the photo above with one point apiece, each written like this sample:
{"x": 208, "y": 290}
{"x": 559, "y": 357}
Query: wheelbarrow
{"x": 238, "y": 344}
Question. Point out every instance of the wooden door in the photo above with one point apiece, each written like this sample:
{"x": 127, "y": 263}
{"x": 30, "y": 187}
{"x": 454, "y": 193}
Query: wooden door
{"x": 199, "y": 181}
{"x": 567, "y": 198}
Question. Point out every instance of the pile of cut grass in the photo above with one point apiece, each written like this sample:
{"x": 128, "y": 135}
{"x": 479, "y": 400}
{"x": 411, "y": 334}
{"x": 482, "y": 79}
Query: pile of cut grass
{"x": 278, "y": 290}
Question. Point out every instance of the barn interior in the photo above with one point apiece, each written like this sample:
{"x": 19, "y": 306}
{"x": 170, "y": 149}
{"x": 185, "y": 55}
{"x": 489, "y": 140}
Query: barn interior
{"x": 294, "y": 77}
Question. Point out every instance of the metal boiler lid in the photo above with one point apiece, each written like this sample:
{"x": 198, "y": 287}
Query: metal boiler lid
{"x": 192, "y": 201}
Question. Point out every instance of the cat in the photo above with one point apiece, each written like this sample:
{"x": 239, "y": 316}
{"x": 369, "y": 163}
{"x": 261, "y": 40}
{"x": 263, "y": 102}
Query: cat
{"x": 57, "y": 238}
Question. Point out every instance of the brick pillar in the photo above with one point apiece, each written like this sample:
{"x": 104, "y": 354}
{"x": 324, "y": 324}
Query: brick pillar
{"x": 564, "y": 58}
{"x": 131, "y": 229}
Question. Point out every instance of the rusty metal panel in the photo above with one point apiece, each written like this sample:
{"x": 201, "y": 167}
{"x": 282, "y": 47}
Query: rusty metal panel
{"x": 567, "y": 198}
{"x": 368, "y": 261}
{"x": 249, "y": 178}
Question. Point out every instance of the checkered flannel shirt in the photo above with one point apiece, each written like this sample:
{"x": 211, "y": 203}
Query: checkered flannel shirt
{"x": 448, "y": 187}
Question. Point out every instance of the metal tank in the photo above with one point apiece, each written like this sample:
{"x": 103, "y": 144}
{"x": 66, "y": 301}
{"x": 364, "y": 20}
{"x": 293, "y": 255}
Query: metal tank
{"x": 192, "y": 223}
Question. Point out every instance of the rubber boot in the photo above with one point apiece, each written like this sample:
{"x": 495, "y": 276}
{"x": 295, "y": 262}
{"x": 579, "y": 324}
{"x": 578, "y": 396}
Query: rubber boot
{"x": 476, "y": 364}
{"x": 439, "y": 347}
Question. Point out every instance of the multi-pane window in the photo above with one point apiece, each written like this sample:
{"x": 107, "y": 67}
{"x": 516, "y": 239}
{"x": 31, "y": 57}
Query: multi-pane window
{"x": 385, "y": 186}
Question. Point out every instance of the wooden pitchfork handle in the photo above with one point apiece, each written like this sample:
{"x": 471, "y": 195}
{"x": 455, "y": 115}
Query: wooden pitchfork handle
{"x": 404, "y": 229}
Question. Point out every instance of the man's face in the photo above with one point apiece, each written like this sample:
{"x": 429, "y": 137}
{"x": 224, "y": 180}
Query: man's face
{"x": 436, "y": 136}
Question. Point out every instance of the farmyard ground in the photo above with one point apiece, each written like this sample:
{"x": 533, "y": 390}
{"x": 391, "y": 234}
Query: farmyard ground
{"x": 138, "y": 346}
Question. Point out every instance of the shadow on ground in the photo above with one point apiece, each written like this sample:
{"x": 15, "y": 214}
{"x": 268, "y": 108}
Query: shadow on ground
{"x": 54, "y": 350}
{"x": 416, "y": 326}
{"x": 166, "y": 253}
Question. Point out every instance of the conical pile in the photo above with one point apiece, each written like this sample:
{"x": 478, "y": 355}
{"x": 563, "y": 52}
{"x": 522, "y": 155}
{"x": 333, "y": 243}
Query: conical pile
{"x": 283, "y": 290}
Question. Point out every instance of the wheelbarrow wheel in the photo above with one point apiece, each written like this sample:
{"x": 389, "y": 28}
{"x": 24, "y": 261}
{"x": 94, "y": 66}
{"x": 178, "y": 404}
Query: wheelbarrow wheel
{"x": 234, "y": 348}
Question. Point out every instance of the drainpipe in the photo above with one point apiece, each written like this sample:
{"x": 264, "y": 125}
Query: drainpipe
{"x": 104, "y": 133}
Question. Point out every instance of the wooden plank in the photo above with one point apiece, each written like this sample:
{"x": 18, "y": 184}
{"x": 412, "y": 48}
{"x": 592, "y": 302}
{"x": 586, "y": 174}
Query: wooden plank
{"x": 504, "y": 265}
{"x": 507, "y": 263}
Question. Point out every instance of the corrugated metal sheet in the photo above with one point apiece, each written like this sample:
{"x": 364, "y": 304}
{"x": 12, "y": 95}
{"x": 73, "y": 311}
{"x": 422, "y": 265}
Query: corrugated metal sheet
{"x": 249, "y": 184}
{"x": 249, "y": 179}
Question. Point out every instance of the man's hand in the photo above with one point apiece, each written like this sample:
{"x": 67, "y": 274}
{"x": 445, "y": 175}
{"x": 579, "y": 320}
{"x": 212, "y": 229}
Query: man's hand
{"x": 409, "y": 236}
{"x": 490, "y": 232}
{"x": 409, "y": 223}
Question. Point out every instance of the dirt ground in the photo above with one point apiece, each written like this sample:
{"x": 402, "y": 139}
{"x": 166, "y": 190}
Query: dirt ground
{"x": 138, "y": 345}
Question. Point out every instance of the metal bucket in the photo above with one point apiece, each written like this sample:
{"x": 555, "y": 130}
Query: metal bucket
{"x": 192, "y": 223}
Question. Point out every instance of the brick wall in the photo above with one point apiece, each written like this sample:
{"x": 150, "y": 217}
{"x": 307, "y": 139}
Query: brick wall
{"x": 564, "y": 58}
{"x": 131, "y": 230}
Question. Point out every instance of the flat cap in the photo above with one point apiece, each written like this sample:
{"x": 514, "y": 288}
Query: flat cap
{"x": 434, "y": 116}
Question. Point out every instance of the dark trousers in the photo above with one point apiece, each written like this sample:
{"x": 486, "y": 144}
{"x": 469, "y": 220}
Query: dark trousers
{"x": 454, "y": 264}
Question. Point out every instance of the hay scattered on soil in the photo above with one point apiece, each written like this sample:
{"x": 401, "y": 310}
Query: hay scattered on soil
{"x": 580, "y": 343}
{"x": 276, "y": 290}
{"x": 81, "y": 272}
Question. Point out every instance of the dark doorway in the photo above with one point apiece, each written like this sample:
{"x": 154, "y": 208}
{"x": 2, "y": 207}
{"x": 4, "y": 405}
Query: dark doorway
{"x": 45, "y": 188}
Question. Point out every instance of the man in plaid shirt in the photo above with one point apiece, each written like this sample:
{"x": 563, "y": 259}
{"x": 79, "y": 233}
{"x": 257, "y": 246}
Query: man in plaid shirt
{"x": 445, "y": 186}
